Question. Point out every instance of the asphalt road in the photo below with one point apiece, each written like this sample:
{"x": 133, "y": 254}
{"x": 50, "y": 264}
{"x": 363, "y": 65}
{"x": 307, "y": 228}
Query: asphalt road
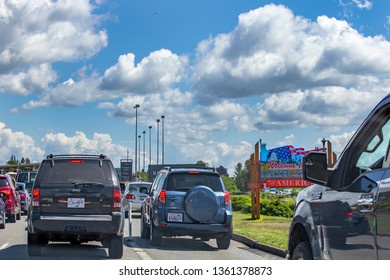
{"x": 13, "y": 246}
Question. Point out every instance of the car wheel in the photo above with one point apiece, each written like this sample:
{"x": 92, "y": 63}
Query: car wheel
{"x": 11, "y": 218}
{"x": 302, "y": 252}
{"x": 155, "y": 235}
{"x": 223, "y": 242}
{"x": 33, "y": 245}
{"x": 145, "y": 228}
{"x": 19, "y": 215}
{"x": 201, "y": 204}
{"x": 115, "y": 249}
{"x": 2, "y": 226}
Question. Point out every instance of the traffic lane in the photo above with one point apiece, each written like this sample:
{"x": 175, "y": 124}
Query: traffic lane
{"x": 13, "y": 246}
{"x": 187, "y": 248}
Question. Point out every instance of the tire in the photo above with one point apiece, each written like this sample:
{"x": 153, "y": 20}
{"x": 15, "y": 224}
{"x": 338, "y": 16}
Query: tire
{"x": 145, "y": 228}
{"x": 223, "y": 242}
{"x": 19, "y": 215}
{"x": 126, "y": 214}
{"x": 201, "y": 204}
{"x": 11, "y": 218}
{"x": 2, "y": 226}
{"x": 115, "y": 248}
{"x": 33, "y": 245}
{"x": 302, "y": 252}
{"x": 155, "y": 236}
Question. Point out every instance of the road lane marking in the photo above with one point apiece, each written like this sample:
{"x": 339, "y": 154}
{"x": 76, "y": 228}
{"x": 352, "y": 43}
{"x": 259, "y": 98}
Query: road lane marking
{"x": 4, "y": 246}
{"x": 139, "y": 251}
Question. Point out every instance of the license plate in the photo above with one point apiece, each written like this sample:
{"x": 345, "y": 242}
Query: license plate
{"x": 76, "y": 203}
{"x": 175, "y": 217}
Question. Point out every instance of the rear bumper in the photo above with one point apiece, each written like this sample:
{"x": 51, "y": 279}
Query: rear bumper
{"x": 195, "y": 230}
{"x": 76, "y": 224}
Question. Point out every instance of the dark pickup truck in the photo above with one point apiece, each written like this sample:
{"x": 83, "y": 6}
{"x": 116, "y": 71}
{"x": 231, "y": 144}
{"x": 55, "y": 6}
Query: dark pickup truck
{"x": 346, "y": 213}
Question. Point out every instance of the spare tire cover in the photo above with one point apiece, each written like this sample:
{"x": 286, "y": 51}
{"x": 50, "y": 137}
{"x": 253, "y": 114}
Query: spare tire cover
{"x": 201, "y": 204}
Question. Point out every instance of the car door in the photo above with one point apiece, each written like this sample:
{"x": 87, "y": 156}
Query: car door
{"x": 383, "y": 217}
{"x": 349, "y": 213}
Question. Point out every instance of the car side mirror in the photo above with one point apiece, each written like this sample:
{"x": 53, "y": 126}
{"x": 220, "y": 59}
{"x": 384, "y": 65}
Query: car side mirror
{"x": 315, "y": 168}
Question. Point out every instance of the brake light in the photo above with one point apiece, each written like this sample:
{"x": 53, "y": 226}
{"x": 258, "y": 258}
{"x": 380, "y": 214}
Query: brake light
{"x": 130, "y": 196}
{"x": 193, "y": 172}
{"x": 76, "y": 161}
{"x": 117, "y": 199}
{"x": 227, "y": 198}
{"x": 6, "y": 191}
{"x": 162, "y": 196}
{"x": 23, "y": 195}
{"x": 35, "y": 202}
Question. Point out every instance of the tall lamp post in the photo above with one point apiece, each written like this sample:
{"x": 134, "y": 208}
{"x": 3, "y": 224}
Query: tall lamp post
{"x": 158, "y": 137}
{"x": 139, "y": 152}
{"x": 136, "y": 133}
{"x": 150, "y": 144}
{"x": 162, "y": 145}
{"x": 144, "y": 132}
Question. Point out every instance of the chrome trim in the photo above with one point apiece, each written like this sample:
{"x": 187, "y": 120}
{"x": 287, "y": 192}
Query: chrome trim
{"x": 95, "y": 218}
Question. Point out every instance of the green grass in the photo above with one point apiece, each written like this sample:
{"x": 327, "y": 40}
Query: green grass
{"x": 269, "y": 230}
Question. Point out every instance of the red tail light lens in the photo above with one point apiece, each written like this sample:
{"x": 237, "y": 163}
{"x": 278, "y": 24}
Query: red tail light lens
{"x": 162, "y": 197}
{"x": 117, "y": 199}
{"x": 7, "y": 192}
{"x": 227, "y": 199}
{"x": 23, "y": 195}
{"x": 130, "y": 196}
{"x": 35, "y": 202}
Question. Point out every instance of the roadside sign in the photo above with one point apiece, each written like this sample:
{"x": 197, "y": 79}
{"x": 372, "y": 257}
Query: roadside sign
{"x": 126, "y": 169}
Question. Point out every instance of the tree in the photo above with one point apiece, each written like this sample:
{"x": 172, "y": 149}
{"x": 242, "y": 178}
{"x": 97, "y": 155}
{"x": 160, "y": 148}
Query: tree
{"x": 241, "y": 177}
{"x": 201, "y": 162}
{"x": 13, "y": 160}
{"x": 229, "y": 183}
{"x": 222, "y": 171}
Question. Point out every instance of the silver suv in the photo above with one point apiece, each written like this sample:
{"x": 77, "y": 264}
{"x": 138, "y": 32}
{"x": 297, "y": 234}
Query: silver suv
{"x": 190, "y": 202}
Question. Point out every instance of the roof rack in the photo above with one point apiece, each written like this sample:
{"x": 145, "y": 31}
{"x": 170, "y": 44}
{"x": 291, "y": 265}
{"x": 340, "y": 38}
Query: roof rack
{"x": 101, "y": 156}
{"x": 169, "y": 168}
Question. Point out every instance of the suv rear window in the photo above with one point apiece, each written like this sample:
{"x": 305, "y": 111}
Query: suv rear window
{"x": 188, "y": 180}
{"x": 77, "y": 171}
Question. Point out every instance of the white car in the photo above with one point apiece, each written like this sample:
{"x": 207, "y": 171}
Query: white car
{"x": 135, "y": 193}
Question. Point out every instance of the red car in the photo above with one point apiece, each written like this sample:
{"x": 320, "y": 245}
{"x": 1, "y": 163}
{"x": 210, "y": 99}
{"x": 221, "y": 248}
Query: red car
{"x": 11, "y": 198}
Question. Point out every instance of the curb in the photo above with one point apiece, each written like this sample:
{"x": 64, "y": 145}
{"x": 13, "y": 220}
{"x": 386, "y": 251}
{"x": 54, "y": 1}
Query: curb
{"x": 256, "y": 245}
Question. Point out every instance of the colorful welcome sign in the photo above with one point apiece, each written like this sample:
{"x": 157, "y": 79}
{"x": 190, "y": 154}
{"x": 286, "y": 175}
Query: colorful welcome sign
{"x": 282, "y": 167}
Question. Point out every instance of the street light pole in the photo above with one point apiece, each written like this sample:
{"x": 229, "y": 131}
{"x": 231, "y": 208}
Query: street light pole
{"x": 150, "y": 144}
{"x": 158, "y": 137}
{"x": 136, "y": 132}
{"x": 139, "y": 152}
{"x": 144, "y": 150}
{"x": 162, "y": 146}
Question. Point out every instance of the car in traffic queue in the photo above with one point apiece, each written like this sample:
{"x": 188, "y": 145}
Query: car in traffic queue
{"x": 11, "y": 198}
{"x": 25, "y": 196}
{"x": 345, "y": 214}
{"x": 134, "y": 194}
{"x": 27, "y": 177}
{"x": 76, "y": 199}
{"x": 191, "y": 202}
{"x": 2, "y": 211}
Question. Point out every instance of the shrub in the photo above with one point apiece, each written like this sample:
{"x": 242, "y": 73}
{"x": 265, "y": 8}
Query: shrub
{"x": 241, "y": 202}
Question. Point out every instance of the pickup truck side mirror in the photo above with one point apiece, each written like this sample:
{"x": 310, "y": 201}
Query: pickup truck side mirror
{"x": 315, "y": 168}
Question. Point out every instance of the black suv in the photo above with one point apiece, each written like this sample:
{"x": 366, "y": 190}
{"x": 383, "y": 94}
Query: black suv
{"x": 346, "y": 214}
{"x": 190, "y": 202}
{"x": 76, "y": 198}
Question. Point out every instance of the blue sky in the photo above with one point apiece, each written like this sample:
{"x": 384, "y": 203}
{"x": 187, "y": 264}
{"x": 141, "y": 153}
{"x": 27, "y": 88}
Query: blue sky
{"x": 225, "y": 73}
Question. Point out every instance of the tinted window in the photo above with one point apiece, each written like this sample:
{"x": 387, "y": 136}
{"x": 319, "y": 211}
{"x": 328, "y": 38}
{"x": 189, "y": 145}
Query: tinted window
{"x": 3, "y": 182}
{"x": 23, "y": 177}
{"x": 186, "y": 181}
{"x": 68, "y": 171}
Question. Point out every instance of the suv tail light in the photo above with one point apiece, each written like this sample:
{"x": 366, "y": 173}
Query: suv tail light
{"x": 117, "y": 199}
{"x": 36, "y": 197}
{"x": 227, "y": 199}
{"x": 162, "y": 196}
